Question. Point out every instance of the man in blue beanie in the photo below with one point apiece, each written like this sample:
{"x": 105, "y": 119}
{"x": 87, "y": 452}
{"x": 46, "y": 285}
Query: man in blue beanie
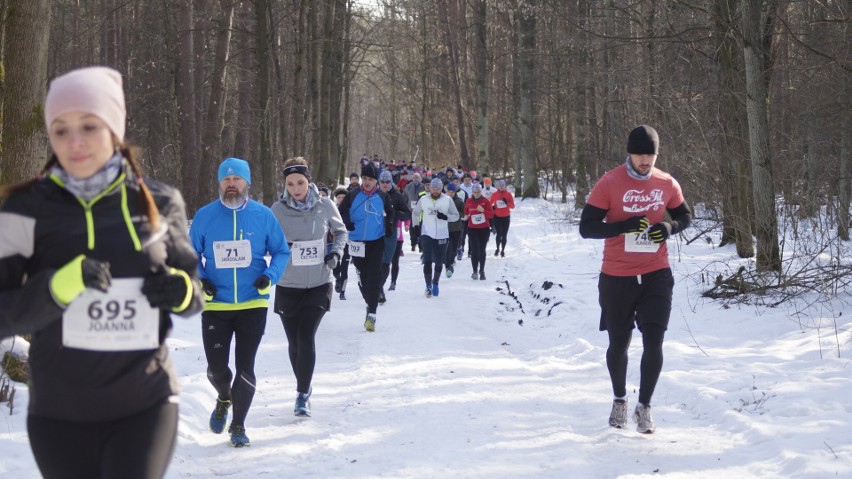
{"x": 231, "y": 236}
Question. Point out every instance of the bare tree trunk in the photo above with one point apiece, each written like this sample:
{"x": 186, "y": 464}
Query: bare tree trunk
{"x": 766, "y": 221}
{"x": 481, "y": 66}
{"x": 185, "y": 92}
{"x": 322, "y": 106}
{"x": 25, "y": 65}
{"x": 737, "y": 210}
{"x": 455, "y": 80}
{"x": 580, "y": 109}
{"x": 213, "y": 120}
{"x": 845, "y": 173}
{"x": 263, "y": 107}
{"x": 527, "y": 38}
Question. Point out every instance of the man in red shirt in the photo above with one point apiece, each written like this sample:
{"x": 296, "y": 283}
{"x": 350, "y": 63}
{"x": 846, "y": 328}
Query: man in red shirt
{"x": 627, "y": 207}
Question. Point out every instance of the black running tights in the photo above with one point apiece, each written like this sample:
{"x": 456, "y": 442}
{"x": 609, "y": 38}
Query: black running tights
{"x": 138, "y": 446}
{"x": 649, "y": 368}
{"x": 217, "y": 329}
{"x": 501, "y": 227}
{"x": 478, "y": 244}
{"x": 301, "y": 329}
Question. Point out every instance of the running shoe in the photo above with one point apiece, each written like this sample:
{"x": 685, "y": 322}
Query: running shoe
{"x": 370, "y": 322}
{"x": 435, "y": 289}
{"x": 219, "y": 416}
{"x": 303, "y": 405}
{"x": 618, "y": 415}
{"x": 238, "y": 436}
{"x": 642, "y": 416}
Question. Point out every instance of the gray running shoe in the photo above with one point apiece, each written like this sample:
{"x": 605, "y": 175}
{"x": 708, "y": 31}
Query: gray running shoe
{"x": 642, "y": 416}
{"x": 618, "y": 415}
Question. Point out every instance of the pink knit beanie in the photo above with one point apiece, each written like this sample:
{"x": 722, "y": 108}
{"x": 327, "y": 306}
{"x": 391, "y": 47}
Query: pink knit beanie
{"x": 95, "y": 90}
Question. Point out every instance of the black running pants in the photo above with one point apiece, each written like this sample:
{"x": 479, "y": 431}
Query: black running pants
{"x": 217, "y": 329}
{"x": 134, "y": 447}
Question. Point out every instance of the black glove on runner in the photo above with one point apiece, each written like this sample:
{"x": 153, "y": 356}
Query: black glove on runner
{"x": 331, "y": 260}
{"x": 660, "y": 232}
{"x": 95, "y": 274}
{"x": 635, "y": 224}
{"x": 165, "y": 290}
{"x": 441, "y": 216}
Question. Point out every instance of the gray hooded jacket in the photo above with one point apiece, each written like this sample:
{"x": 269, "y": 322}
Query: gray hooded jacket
{"x": 315, "y": 220}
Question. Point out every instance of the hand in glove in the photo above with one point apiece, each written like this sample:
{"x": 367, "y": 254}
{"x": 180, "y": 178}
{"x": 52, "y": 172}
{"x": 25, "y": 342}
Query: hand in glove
{"x": 77, "y": 275}
{"x": 168, "y": 289}
{"x": 660, "y": 232}
{"x": 332, "y": 260}
{"x": 350, "y": 226}
{"x": 634, "y": 224}
{"x": 208, "y": 289}
{"x": 441, "y": 216}
{"x": 263, "y": 283}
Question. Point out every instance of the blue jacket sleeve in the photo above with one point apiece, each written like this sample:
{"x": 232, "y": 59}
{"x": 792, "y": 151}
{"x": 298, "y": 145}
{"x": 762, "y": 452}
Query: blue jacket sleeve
{"x": 276, "y": 245}
{"x": 196, "y": 236}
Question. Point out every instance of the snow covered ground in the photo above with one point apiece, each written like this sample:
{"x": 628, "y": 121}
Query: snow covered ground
{"x": 506, "y": 378}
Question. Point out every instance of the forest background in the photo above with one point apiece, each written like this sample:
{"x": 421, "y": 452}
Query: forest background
{"x": 751, "y": 97}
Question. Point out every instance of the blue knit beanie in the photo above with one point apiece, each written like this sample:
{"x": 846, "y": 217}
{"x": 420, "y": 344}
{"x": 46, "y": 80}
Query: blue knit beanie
{"x": 236, "y": 167}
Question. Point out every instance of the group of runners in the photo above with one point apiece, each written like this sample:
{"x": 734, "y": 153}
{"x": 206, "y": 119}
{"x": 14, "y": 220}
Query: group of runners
{"x": 95, "y": 258}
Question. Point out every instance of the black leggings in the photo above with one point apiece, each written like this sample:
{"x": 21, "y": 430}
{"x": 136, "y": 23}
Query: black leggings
{"x": 456, "y": 242}
{"x": 649, "y": 368}
{"x": 217, "y": 329}
{"x": 139, "y": 446}
{"x": 370, "y": 272}
{"x": 501, "y": 227}
{"x": 392, "y": 269}
{"x": 301, "y": 329}
{"x": 478, "y": 243}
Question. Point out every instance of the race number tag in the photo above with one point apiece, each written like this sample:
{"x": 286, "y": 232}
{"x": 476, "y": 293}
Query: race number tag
{"x": 639, "y": 243}
{"x": 308, "y": 253}
{"x": 232, "y": 254}
{"x": 356, "y": 249}
{"x": 118, "y": 320}
{"x": 501, "y": 203}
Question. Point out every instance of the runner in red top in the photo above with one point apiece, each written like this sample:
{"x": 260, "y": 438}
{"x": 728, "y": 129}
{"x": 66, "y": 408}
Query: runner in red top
{"x": 627, "y": 207}
{"x": 503, "y": 202}
{"x": 479, "y": 214}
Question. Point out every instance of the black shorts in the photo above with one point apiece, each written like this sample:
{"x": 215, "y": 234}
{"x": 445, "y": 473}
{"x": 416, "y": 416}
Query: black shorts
{"x": 644, "y": 299}
{"x": 290, "y": 300}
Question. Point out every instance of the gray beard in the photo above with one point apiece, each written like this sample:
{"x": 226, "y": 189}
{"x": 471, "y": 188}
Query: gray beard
{"x": 233, "y": 202}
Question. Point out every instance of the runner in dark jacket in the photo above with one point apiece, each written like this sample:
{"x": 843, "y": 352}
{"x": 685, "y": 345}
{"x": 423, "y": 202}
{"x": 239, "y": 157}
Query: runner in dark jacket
{"x": 93, "y": 261}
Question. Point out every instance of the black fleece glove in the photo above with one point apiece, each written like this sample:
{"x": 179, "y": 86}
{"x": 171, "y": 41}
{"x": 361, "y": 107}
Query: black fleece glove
{"x": 441, "y": 216}
{"x": 262, "y": 284}
{"x": 208, "y": 289}
{"x": 634, "y": 224}
{"x": 332, "y": 260}
{"x": 96, "y": 274}
{"x": 350, "y": 226}
{"x": 660, "y": 232}
{"x": 166, "y": 289}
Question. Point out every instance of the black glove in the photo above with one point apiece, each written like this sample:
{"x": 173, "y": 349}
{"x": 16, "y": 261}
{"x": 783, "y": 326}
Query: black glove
{"x": 332, "y": 260}
{"x": 634, "y": 224}
{"x": 350, "y": 226}
{"x": 262, "y": 284}
{"x": 208, "y": 289}
{"x": 96, "y": 274}
{"x": 441, "y": 216}
{"x": 660, "y": 232}
{"x": 166, "y": 289}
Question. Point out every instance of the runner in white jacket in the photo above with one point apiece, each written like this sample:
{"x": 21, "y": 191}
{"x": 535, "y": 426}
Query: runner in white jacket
{"x": 432, "y": 212}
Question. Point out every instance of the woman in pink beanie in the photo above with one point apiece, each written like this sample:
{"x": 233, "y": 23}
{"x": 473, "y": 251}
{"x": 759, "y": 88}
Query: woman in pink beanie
{"x": 93, "y": 262}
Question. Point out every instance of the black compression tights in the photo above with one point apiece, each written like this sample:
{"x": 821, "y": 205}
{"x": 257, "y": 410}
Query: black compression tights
{"x": 650, "y": 367}
{"x": 301, "y": 329}
{"x": 138, "y": 446}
